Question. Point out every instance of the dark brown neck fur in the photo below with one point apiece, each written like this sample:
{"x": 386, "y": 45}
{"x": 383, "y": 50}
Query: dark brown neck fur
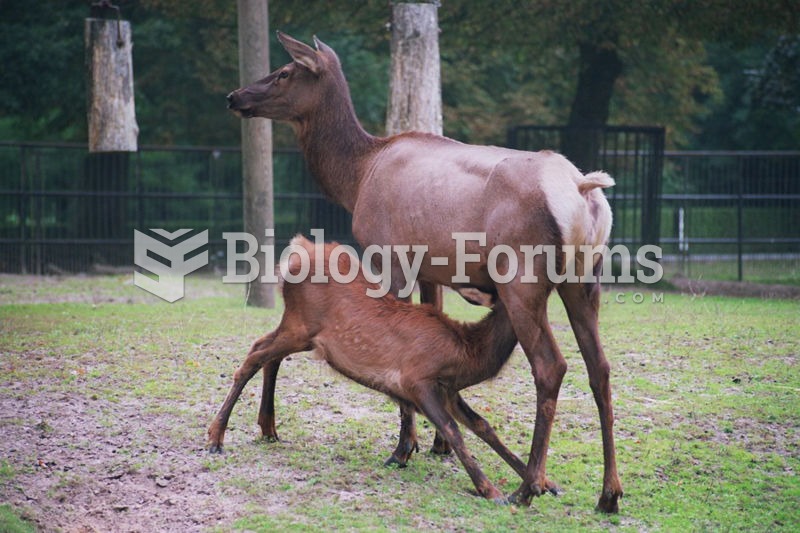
{"x": 487, "y": 344}
{"x": 336, "y": 147}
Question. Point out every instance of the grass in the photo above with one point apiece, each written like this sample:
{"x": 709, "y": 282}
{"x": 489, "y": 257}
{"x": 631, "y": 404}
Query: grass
{"x": 706, "y": 399}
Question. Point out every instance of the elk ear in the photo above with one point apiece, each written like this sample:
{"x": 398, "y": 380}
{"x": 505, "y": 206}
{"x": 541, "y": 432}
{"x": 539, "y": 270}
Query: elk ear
{"x": 301, "y": 53}
{"x": 322, "y": 47}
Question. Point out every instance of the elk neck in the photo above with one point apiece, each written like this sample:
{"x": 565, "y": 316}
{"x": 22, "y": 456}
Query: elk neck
{"x": 337, "y": 149}
{"x": 489, "y": 342}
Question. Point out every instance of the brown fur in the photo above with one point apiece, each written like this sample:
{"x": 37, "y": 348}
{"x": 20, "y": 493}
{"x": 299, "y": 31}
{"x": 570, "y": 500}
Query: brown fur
{"x": 386, "y": 345}
{"x": 419, "y": 188}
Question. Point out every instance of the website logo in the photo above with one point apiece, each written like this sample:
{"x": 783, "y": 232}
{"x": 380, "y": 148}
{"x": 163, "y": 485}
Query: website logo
{"x": 166, "y": 260}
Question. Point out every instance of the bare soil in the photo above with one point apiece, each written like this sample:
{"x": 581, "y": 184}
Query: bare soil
{"x": 94, "y": 465}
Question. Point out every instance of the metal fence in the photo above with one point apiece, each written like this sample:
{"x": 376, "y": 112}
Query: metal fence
{"x": 717, "y": 215}
{"x": 732, "y": 215}
{"x": 64, "y": 210}
{"x": 634, "y": 156}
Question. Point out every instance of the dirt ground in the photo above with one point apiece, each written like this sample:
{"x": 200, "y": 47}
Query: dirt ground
{"x": 84, "y": 475}
{"x": 98, "y": 464}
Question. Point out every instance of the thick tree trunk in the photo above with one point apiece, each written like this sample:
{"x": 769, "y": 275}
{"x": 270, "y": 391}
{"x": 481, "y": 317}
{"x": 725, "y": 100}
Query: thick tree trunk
{"x": 415, "y": 94}
{"x": 256, "y": 143}
{"x": 111, "y": 112}
{"x": 599, "y": 68}
{"x": 112, "y": 129}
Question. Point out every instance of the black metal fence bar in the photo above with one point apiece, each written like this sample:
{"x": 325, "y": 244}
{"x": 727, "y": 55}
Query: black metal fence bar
{"x": 63, "y": 210}
{"x": 724, "y": 215}
{"x": 733, "y": 215}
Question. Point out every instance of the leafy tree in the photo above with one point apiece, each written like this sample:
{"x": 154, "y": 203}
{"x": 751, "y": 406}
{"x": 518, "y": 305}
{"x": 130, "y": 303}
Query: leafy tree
{"x": 761, "y": 109}
{"x": 504, "y": 62}
{"x": 41, "y": 50}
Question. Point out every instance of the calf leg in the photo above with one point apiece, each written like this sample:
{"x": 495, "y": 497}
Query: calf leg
{"x": 266, "y": 411}
{"x": 478, "y": 425}
{"x": 431, "y": 403}
{"x": 272, "y": 347}
{"x": 408, "y": 437}
{"x": 582, "y": 303}
{"x": 431, "y": 293}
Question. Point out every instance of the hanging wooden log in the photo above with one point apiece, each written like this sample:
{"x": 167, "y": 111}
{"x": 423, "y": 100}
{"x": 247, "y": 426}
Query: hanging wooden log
{"x": 111, "y": 111}
{"x": 415, "y": 94}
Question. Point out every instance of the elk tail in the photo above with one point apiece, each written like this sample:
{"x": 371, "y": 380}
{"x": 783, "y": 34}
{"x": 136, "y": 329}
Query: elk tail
{"x": 594, "y": 180}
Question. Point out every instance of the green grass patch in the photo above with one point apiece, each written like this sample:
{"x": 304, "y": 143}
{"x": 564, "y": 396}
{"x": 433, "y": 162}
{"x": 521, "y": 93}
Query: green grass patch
{"x": 706, "y": 394}
{"x": 11, "y": 522}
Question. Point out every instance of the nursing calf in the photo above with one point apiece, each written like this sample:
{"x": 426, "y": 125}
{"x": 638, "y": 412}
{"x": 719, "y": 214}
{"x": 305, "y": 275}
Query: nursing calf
{"x": 412, "y": 353}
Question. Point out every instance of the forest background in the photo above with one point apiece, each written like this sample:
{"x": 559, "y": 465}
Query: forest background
{"x": 718, "y": 74}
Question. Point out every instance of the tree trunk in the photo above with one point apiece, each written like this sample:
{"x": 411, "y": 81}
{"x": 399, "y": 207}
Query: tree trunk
{"x": 111, "y": 112}
{"x": 112, "y": 128}
{"x": 415, "y": 93}
{"x": 256, "y": 143}
{"x": 599, "y": 68}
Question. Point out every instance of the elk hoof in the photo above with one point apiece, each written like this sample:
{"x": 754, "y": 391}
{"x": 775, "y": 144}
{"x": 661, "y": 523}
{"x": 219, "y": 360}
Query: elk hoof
{"x": 552, "y": 488}
{"x": 441, "y": 446}
{"x": 501, "y": 500}
{"x": 215, "y": 449}
{"x": 395, "y": 461}
{"x": 270, "y": 438}
{"x": 608, "y": 502}
{"x": 521, "y": 497}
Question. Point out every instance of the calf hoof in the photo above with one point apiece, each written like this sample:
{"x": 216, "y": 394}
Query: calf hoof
{"x": 395, "y": 461}
{"x": 609, "y": 502}
{"x": 490, "y": 492}
{"x": 215, "y": 449}
{"x": 521, "y": 497}
{"x": 440, "y": 446}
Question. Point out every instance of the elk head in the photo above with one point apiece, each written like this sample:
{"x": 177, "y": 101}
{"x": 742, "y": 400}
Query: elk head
{"x": 292, "y": 91}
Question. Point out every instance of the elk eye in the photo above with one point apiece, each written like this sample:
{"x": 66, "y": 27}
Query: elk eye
{"x": 283, "y": 75}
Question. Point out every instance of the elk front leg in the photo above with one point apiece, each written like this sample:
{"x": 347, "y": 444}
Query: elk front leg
{"x": 266, "y": 411}
{"x": 431, "y": 293}
{"x": 408, "y": 437}
{"x": 267, "y": 349}
{"x": 432, "y": 404}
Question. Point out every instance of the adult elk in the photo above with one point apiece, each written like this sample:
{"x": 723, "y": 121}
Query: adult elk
{"x": 417, "y": 188}
{"x": 386, "y": 345}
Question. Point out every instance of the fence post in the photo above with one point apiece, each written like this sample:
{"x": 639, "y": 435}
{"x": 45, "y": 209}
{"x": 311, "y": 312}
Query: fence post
{"x": 740, "y": 222}
{"x": 253, "y": 27}
{"x": 24, "y": 198}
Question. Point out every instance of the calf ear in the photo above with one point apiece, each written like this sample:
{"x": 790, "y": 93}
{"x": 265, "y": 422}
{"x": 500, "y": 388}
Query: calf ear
{"x": 301, "y": 53}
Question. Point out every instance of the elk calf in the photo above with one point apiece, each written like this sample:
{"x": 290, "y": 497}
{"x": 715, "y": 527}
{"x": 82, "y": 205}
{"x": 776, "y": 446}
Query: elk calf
{"x": 412, "y": 353}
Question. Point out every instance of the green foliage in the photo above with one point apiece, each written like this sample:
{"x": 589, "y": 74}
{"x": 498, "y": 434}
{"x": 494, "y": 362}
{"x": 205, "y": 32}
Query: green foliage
{"x": 758, "y": 112}
{"x": 503, "y": 63}
{"x": 41, "y": 50}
